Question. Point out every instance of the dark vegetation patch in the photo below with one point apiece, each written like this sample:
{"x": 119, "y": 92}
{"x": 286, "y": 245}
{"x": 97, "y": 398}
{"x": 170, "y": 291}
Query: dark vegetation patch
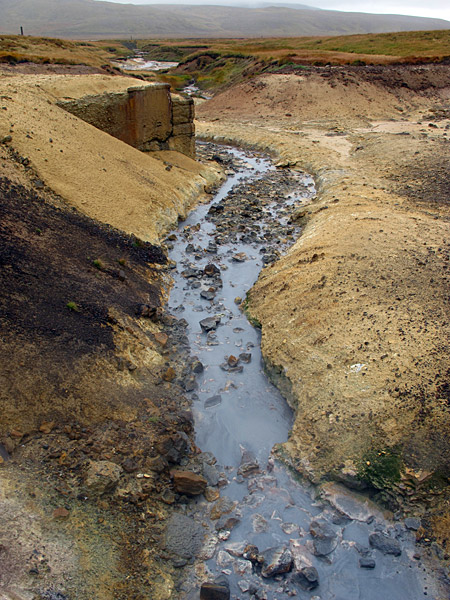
{"x": 51, "y": 288}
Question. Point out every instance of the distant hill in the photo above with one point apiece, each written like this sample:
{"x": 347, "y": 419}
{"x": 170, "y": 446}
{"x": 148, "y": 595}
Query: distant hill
{"x": 90, "y": 19}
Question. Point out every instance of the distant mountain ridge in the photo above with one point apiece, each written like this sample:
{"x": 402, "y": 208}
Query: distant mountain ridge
{"x": 90, "y": 19}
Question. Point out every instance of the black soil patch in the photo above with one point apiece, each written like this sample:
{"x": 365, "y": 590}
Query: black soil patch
{"x": 61, "y": 273}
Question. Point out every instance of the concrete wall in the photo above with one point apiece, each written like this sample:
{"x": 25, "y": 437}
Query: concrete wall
{"x": 147, "y": 117}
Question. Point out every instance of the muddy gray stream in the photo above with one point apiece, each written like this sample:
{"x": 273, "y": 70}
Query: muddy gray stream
{"x": 239, "y": 416}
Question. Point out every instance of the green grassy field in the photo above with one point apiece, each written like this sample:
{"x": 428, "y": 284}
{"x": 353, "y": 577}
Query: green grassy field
{"x": 16, "y": 49}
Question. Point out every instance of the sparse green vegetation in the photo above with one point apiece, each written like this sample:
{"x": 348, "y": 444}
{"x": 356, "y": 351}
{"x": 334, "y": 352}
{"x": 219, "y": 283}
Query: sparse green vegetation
{"x": 98, "y": 264}
{"x": 381, "y": 468}
{"x": 73, "y": 306}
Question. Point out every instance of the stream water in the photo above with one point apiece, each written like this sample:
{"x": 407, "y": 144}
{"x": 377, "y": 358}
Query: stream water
{"x": 239, "y": 417}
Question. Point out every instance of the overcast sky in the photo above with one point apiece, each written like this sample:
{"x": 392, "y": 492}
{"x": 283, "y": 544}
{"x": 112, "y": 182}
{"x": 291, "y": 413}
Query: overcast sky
{"x": 433, "y": 8}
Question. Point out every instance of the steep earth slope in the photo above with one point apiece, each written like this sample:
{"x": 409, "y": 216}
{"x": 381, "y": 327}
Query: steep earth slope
{"x": 93, "y": 414}
{"x": 101, "y": 176}
{"x": 355, "y": 318}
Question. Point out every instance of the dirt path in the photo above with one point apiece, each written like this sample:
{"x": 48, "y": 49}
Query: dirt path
{"x": 355, "y": 318}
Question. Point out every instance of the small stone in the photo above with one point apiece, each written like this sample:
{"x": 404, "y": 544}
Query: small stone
{"x": 211, "y": 494}
{"x": 178, "y": 563}
{"x": 244, "y": 586}
{"x": 239, "y": 257}
{"x": 211, "y": 269}
{"x": 169, "y": 375}
{"x": 102, "y": 477}
{"x": 367, "y": 563}
{"x": 245, "y": 357}
{"x": 237, "y": 549}
{"x": 227, "y": 522}
{"x": 298, "y": 214}
{"x": 183, "y": 536}
{"x": 252, "y": 554}
{"x": 208, "y": 294}
{"x": 210, "y": 323}
{"x": 129, "y": 465}
{"x": 213, "y": 401}
{"x": 222, "y": 507}
{"x": 219, "y": 590}
{"x": 232, "y": 361}
{"x": 249, "y": 465}
{"x": 259, "y": 523}
{"x": 325, "y": 538}
{"x": 61, "y": 513}
{"x": 277, "y": 561}
{"x": 161, "y": 338}
{"x": 47, "y": 427}
{"x": 189, "y": 383}
{"x": 211, "y": 474}
{"x": 238, "y": 300}
{"x": 156, "y": 463}
{"x": 412, "y": 523}
{"x": 289, "y": 528}
{"x": 384, "y": 543}
{"x": 197, "y": 367}
{"x": 242, "y": 567}
{"x": 187, "y": 482}
{"x": 167, "y": 496}
{"x": 307, "y": 578}
{"x": 6, "y": 139}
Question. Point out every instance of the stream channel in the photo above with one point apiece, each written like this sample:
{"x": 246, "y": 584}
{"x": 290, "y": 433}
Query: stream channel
{"x": 299, "y": 544}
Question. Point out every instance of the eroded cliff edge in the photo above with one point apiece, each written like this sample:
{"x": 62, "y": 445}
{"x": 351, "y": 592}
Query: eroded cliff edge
{"x": 355, "y": 318}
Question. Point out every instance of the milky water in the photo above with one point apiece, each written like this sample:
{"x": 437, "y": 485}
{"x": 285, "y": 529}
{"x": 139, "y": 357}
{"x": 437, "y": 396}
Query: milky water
{"x": 242, "y": 413}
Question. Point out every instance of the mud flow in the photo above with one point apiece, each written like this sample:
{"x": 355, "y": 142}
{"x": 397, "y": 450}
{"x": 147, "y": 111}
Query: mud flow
{"x": 269, "y": 536}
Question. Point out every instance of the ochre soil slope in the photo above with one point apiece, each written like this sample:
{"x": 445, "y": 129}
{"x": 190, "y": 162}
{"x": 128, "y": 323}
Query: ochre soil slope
{"x": 98, "y": 174}
{"x": 356, "y": 317}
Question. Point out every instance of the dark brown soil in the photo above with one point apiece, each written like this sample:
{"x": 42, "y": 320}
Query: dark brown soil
{"x": 69, "y": 288}
{"x": 76, "y": 386}
{"x": 419, "y": 78}
{"x": 82, "y": 262}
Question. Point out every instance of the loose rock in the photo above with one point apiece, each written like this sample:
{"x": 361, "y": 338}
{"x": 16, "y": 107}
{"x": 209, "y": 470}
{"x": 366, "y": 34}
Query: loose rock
{"x": 186, "y": 482}
{"x": 385, "y": 544}
{"x": 277, "y": 561}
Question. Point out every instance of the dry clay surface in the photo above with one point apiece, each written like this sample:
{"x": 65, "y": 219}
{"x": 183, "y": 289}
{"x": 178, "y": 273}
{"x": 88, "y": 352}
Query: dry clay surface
{"x": 355, "y": 318}
{"x": 99, "y": 175}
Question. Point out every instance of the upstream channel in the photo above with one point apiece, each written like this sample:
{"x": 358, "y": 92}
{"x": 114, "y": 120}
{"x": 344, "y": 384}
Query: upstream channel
{"x": 270, "y": 536}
